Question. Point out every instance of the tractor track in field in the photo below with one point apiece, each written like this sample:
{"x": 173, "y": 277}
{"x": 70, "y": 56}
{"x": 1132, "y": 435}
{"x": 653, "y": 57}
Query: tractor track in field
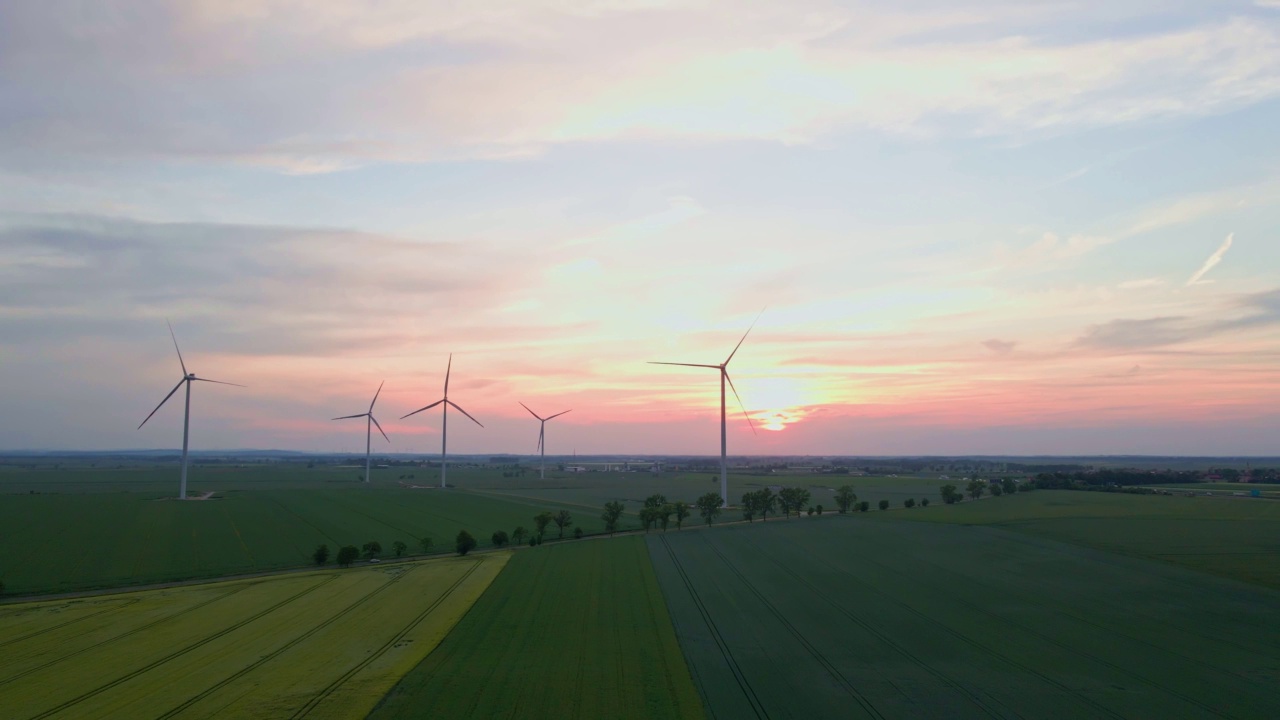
{"x": 1085, "y": 621}
{"x": 283, "y": 648}
{"x": 1103, "y": 710}
{"x": 42, "y": 631}
{"x": 134, "y": 631}
{"x": 817, "y": 654}
{"x": 193, "y": 646}
{"x": 1121, "y": 670}
{"x": 976, "y": 700}
{"x": 405, "y": 630}
{"x": 721, "y": 644}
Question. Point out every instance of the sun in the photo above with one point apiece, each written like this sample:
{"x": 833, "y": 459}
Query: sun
{"x": 776, "y": 421}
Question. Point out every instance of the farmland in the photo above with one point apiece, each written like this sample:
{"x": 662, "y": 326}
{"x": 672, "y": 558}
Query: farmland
{"x": 325, "y": 644}
{"x": 575, "y": 630}
{"x": 853, "y": 617}
{"x": 1233, "y": 537}
{"x": 58, "y": 541}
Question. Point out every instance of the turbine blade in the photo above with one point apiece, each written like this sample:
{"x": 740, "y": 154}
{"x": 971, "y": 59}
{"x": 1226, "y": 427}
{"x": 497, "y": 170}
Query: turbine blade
{"x": 448, "y": 368}
{"x": 744, "y": 407}
{"x": 541, "y": 430}
{"x": 348, "y": 417}
{"x": 165, "y": 400}
{"x": 559, "y": 414}
{"x": 464, "y": 412}
{"x": 415, "y": 412}
{"x": 175, "y": 347}
{"x": 218, "y": 382}
{"x": 375, "y": 395}
{"x": 375, "y": 422}
{"x": 526, "y": 407}
{"x": 745, "y": 334}
{"x": 717, "y": 367}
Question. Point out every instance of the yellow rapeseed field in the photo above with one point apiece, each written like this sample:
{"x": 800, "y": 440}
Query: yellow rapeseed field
{"x": 324, "y": 644}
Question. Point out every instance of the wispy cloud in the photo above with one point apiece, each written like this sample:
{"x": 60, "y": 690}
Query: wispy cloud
{"x": 1211, "y": 262}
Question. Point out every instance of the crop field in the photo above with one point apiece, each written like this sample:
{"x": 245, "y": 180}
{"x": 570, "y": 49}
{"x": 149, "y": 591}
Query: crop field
{"x": 847, "y": 616}
{"x": 573, "y": 630}
{"x": 317, "y": 645}
{"x": 1233, "y": 537}
{"x": 58, "y": 542}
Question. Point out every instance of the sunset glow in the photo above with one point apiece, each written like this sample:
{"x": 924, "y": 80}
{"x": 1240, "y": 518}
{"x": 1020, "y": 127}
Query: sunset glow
{"x": 1009, "y": 230}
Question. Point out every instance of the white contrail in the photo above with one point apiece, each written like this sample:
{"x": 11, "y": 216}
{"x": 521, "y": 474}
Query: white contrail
{"x": 1213, "y": 260}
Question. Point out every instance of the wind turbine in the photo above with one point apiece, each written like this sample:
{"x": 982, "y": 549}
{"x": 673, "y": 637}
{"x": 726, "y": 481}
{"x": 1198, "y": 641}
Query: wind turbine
{"x": 542, "y": 433}
{"x": 187, "y": 379}
{"x": 368, "y": 432}
{"x": 444, "y": 425}
{"x": 724, "y": 377}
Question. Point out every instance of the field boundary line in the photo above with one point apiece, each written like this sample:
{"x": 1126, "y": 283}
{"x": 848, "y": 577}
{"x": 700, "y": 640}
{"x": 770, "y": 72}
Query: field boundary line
{"x": 738, "y": 674}
{"x": 284, "y": 648}
{"x": 148, "y": 626}
{"x": 200, "y": 643}
{"x": 405, "y": 630}
{"x": 886, "y": 639}
{"x": 82, "y": 618}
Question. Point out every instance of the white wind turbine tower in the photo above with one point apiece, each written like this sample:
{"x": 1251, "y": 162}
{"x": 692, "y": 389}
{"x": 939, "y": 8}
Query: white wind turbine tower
{"x": 542, "y": 434}
{"x": 724, "y": 377}
{"x": 445, "y": 402}
{"x": 368, "y": 432}
{"x": 187, "y": 379}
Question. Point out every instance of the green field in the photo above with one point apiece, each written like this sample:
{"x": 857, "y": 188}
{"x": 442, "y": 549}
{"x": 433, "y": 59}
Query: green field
{"x": 852, "y": 617}
{"x": 325, "y": 644}
{"x": 575, "y": 630}
{"x": 1228, "y": 536}
{"x": 51, "y": 542}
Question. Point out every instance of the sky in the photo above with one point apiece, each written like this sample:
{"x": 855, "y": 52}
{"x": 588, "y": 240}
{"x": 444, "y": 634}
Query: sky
{"x": 987, "y": 227}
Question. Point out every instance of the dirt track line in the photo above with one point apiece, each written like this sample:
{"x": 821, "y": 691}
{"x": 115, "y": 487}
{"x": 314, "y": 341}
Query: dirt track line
{"x": 721, "y": 644}
{"x": 817, "y": 654}
{"x": 156, "y": 663}
{"x": 136, "y": 630}
{"x": 82, "y": 618}
{"x": 329, "y": 690}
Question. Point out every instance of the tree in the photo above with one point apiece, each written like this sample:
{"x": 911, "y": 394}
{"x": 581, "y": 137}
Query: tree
{"x": 398, "y": 548}
{"x": 682, "y": 510}
{"x": 950, "y": 495}
{"x": 464, "y": 543}
{"x": 321, "y": 554}
{"x": 1010, "y": 487}
{"x": 541, "y": 521}
{"x": 976, "y": 488}
{"x": 372, "y": 548}
{"x": 648, "y": 516}
{"x": 749, "y": 502}
{"x": 884, "y": 504}
{"x": 810, "y": 511}
{"x": 425, "y": 544}
{"x": 612, "y": 511}
{"x": 909, "y": 503}
{"x": 924, "y": 502}
{"x": 709, "y": 506}
{"x": 656, "y": 500}
{"x": 819, "y": 509}
{"x": 348, "y": 554}
{"x": 664, "y": 514}
{"x": 577, "y": 533}
{"x": 519, "y": 534}
{"x": 563, "y": 520}
{"x": 499, "y": 538}
{"x": 845, "y": 498}
{"x": 996, "y": 489}
{"x": 765, "y": 502}
{"x": 864, "y": 506}
{"x": 792, "y": 498}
